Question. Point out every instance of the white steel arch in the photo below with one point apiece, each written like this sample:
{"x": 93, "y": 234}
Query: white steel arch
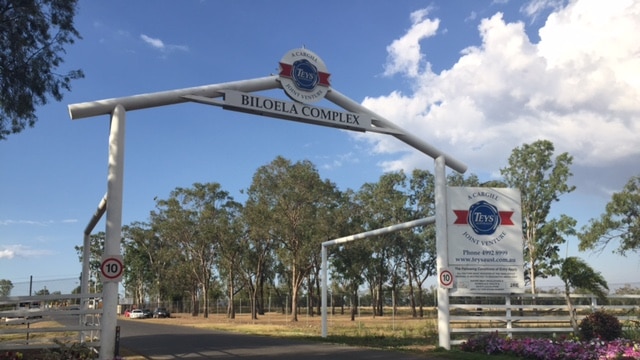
{"x": 212, "y": 94}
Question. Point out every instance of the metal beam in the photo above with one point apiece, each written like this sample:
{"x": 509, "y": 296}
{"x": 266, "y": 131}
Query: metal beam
{"x": 145, "y": 101}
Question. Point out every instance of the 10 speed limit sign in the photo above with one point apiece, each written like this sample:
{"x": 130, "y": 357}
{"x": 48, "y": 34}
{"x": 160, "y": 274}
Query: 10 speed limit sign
{"x": 446, "y": 279}
{"x": 111, "y": 268}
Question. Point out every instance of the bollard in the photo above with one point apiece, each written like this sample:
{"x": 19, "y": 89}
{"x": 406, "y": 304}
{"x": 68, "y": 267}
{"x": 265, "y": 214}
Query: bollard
{"x": 116, "y": 351}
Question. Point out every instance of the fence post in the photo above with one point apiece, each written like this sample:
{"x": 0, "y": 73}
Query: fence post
{"x": 508, "y": 303}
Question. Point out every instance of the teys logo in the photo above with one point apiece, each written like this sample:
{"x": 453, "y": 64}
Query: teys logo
{"x": 483, "y": 217}
{"x": 304, "y": 76}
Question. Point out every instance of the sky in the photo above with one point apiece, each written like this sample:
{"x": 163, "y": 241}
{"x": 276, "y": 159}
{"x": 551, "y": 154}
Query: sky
{"x": 475, "y": 79}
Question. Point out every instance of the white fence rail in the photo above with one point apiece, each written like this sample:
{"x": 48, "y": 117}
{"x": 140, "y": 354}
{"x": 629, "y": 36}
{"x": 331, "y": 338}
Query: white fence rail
{"x": 532, "y": 314}
{"x": 39, "y": 321}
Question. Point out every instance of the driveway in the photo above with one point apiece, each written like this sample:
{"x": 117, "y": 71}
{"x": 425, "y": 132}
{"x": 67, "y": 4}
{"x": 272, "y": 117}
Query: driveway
{"x": 162, "y": 341}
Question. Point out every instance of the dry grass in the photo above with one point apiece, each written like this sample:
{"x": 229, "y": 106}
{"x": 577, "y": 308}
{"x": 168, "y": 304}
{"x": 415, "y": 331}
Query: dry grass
{"x": 398, "y": 332}
{"x": 38, "y": 335}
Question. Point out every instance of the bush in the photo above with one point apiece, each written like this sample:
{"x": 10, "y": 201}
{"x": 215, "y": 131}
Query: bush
{"x": 486, "y": 343}
{"x": 75, "y": 351}
{"x": 548, "y": 349}
{"x": 600, "y": 325}
{"x": 9, "y": 355}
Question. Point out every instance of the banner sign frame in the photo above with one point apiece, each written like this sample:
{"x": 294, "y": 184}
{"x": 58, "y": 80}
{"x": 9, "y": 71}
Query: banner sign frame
{"x": 484, "y": 236}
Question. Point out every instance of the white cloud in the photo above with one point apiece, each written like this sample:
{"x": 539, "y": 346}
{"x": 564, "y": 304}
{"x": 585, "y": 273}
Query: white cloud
{"x": 578, "y": 87}
{"x": 25, "y": 222}
{"x": 535, "y": 7}
{"x": 160, "y": 45}
{"x": 339, "y": 161}
{"x": 12, "y": 251}
{"x": 404, "y": 53}
{"x": 156, "y": 43}
{"x": 8, "y": 222}
{"x": 6, "y": 254}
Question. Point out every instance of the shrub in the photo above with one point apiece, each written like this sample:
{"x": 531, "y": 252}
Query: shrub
{"x": 631, "y": 330}
{"x": 600, "y": 325}
{"x": 486, "y": 343}
{"x": 547, "y": 349}
{"x": 75, "y": 351}
{"x": 9, "y": 355}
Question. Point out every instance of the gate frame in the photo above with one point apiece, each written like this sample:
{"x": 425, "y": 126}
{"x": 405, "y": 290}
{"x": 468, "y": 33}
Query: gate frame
{"x": 117, "y": 107}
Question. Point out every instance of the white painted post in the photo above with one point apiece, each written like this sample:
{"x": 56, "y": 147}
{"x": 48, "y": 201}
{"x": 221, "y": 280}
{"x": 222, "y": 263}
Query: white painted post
{"x": 442, "y": 250}
{"x": 115, "y": 180}
{"x": 84, "y": 283}
{"x": 509, "y": 320}
{"x": 324, "y": 291}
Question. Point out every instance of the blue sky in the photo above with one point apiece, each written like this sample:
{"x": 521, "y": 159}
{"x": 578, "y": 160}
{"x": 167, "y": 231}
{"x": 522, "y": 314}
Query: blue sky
{"x": 473, "y": 78}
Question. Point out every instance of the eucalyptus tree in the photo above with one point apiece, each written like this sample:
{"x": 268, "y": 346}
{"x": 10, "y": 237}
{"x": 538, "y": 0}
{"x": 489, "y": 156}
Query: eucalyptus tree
{"x": 620, "y": 222}
{"x": 348, "y": 262}
{"x": 138, "y": 278}
{"x": 96, "y": 250}
{"x": 541, "y": 181}
{"x": 236, "y": 265}
{"x": 420, "y": 256}
{"x": 257, "y": 268}
{"x": 384, "y": 203}
{"x": 349, "y": 259}
{"x": 196, "y": 219}
{"x": 258, "y": 261}
{"x": 335, "y": 220}
{"x": 457, "y": 179}
{"x": 5, "y": 287}
{"x": 232, "y": 250}
{"x": 293, "y": 198}
{"x": 33, "y": 36}
{"x": 148, "y": 259}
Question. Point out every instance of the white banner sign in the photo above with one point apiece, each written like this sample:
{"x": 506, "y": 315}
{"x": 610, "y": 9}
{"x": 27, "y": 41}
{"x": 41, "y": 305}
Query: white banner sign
{"x": 289, "y": 110}
{"x": 484, "y": 233}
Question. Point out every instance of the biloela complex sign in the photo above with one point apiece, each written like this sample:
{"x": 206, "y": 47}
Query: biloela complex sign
{"x": 305, "y": 80}
{"x": 484, "y": 230}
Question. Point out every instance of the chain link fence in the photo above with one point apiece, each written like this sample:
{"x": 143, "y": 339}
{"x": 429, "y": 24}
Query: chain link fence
{"x": 41, "y": 287}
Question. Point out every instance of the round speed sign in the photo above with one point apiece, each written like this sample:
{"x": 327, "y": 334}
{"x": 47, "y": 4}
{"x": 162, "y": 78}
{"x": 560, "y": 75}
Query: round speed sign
{"x": 446, "y": 279}
{"x": 112, "y": 268}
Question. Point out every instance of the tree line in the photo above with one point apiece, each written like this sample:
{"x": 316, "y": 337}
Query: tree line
{"x": 201, "y": 241}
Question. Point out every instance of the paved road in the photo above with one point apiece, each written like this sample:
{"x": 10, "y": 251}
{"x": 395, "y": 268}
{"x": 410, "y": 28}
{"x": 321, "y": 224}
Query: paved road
{"x": 162, "y": 341}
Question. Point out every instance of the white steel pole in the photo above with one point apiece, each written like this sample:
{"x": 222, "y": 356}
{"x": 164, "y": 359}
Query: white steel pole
{"x": 115, "y": 180}
{"x": 324, "y": 291}
{"x": 442, "y": 251}
{"x": 84, "y": 284}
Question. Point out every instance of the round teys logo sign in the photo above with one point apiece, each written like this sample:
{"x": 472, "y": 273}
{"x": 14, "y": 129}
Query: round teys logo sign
{"x": 483, "y": 218}
{"x": 304, "y": 76}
